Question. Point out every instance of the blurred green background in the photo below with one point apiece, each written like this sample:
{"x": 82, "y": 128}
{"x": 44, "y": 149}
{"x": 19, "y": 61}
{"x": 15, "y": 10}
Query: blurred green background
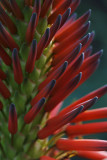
{"x": 99, "y": 78}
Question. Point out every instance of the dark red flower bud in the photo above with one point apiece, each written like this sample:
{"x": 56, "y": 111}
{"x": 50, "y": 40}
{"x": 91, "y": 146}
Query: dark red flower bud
{"x": 18, "y": 75}
{"x": 31, "y": 28}
{"x": 44, "y": 92}
{"x": 43, "y": 42}
{"x": 28, "y": 118}
{"x": 12, "y": 123}
{"x": 30, "y": 64}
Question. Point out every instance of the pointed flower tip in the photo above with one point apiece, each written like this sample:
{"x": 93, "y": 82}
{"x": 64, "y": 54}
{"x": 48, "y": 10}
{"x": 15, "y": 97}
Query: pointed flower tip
{"x": 12, "y": 123}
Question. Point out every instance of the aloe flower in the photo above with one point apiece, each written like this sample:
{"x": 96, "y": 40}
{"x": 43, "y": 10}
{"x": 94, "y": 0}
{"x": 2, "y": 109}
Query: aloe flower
{"x": 45, "y": 55}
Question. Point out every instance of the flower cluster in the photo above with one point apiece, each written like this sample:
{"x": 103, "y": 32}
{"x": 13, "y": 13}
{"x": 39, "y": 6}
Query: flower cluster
{"x": 45, "y": 56}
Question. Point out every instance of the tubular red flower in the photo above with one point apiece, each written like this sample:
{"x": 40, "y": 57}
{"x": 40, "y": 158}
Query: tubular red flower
{"x": 28, "y": 118}
{"x": 81, "y": 144}
{"x": 86, "y": 129}
{"x": 30, "y": 64}
{"x": 92, "y": 115}
{"x": 31, "y": 28}
{"x": 43, "y": 42}
{"x": 18, "y": 75}
{"x": 12, "y": 122}
{"x": 44, "y": 92}
{"x": 87, "y": 104}
{"x": 93, "y": 155}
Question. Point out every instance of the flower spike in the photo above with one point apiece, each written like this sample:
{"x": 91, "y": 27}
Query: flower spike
{"x": 12, "y": 122}
{"x": 18, "y": 75}
{"x": 51, "y": 57}
{"x": 28, "y": 118}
